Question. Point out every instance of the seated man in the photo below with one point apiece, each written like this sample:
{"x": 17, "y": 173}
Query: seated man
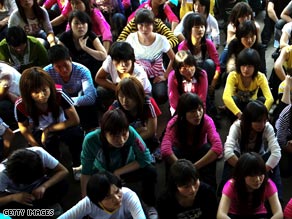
{"x": 22, "y": 51}
{"x": 76, "y": 81}
{"x": 24, "y": 182}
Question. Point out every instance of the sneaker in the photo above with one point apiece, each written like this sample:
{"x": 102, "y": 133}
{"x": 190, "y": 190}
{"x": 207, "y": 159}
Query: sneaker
{"x": 76, "y": 174}
{"x": 152, "y": 213}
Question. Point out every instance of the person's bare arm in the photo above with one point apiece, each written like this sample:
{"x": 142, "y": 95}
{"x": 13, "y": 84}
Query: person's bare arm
{"x": 27, "y": 134}
{"x": 99, "y": 52}
{"x": 271, "y": 12}
{"x": 58, "y": 20}
{"x": 101, "y": 80}
{"x": 60, "y": 172}
{"x": 278, "y": 66}
{"x": 285, "y": 15}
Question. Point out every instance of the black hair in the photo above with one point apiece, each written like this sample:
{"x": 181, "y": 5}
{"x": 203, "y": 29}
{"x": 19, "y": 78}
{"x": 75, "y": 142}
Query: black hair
{"x": 205, "y": 3}
{"x": 57, "y": 53}
{"x": 248, "y": 56}
{"x": 132, "y": 88}
{"x": 83, "y": 17}
{"x": 144, "y": 15}
{"x": 37, "y": 10}
{"x": 185, "y": 58}
{"x": 255, "y": 111}
{"x": 186, "y": 103}
{"x": 239, "y": 10}
{"x": 191, "y": 20}
{"x": 249, "y": 164}
{"x": 31, "y": 80}
{"x": 99, "y": 186}
{"x": 114, "y": 122}
{"x": 88, "y": 8}
{"x": 122, "y": 51}
{"x": 24, "y": 166}
{"x": 181, "y": 173}
{"x": 16, "y": 36}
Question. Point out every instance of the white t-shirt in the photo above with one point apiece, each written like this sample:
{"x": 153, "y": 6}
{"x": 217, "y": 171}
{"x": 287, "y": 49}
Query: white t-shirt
{"x": 9, "y": 77}
{"x": 212, "y": 31}
{"x": 7, "y": 185}
{"x": 130, "y": 208}
{"x": 151, "y": 52}
{"x": 138, "y": 72}
{"x": 287, "y": 29}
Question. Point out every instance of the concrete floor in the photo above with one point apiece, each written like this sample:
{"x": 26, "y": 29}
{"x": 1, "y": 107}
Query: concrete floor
{"x": 73, "y": 195}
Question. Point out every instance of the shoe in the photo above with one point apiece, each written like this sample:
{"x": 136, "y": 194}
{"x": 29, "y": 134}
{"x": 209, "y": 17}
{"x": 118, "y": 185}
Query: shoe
{"x": 76, "y": 174}
{"x": 152, "y": 213}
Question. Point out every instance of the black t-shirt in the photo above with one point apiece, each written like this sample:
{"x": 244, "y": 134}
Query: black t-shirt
{"x": 204, "y": 206}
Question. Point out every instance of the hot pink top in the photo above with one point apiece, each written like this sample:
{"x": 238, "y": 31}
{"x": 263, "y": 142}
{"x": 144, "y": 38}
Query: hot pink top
{"x": 230, "y": 192}
{"x": 208, "y": 134}
{"x": 171, "y": 17}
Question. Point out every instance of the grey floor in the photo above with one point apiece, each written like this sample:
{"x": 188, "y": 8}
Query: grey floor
{"x": 73, "y": 195}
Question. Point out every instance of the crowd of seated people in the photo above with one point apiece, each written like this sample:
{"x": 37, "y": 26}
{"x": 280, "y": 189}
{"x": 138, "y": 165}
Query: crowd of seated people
{"x": 71, "y": 76}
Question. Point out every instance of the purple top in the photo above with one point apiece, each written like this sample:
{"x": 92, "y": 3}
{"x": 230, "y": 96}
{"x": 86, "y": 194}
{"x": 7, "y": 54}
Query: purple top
{"x": 208, "y": 131}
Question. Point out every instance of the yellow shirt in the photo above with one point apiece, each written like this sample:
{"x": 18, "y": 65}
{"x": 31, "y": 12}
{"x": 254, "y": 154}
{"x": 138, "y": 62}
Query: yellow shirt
{"x": 234, "y": 87}
{"x": 189, "y": 6}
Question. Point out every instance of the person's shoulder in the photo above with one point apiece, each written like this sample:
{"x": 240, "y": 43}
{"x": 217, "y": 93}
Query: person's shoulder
{"x": 79, "y": 67}
{"x": 33, "y": 40}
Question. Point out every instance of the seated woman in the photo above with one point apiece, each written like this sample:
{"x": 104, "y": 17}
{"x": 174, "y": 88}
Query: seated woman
{"x": 239, "y": 13}
{"x": 246, "y": 37}
{"x": 191, "y": 134}
{"x": 158, "y": 27}
{"x": 186, "y": 195}
{"x": 186, "y": 77}
{"x": 253, "y": 133}
{"x": 141, "y": 110}
{"x": 84, "y": 46}
{"x": 46, "y": 115}
{"x": 34, "y": 20}
{"x": 149, "y": 48}
{"x": 244, "y": 195}
{"x": 119, "y": 63}
{"x": 99, "y": 25}
{"x": 243, "y": 84}
{"x": 203, "y": 49}
{"x": 118, "y": 148}
{"x": 202, "y": 7}
{"x": 161, "y": 10}
{"x": 106, "y": 198}
{"x": 6, "y": 8}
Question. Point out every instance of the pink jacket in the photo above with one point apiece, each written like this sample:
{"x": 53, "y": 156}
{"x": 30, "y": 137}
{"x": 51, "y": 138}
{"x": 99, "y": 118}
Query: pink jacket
{"x": 173, "y": 94}
{"x": 209, "y": 133}
{"x": 211, "y": 50}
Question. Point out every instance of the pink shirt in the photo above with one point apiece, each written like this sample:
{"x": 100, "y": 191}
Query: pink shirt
{"x": 208, "y": 134}
{"x": 288, "y": 210}
{"x": 229, "y": 191}
{"x": 211, "y": 51}
{"x": 199, "y": 87}
{"x": 50, "y": 3}
{"x": 171, "y": 17}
